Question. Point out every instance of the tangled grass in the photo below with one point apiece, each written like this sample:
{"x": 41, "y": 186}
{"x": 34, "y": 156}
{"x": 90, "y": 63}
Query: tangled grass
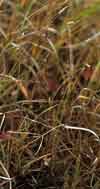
{"x": 49, "y": 94}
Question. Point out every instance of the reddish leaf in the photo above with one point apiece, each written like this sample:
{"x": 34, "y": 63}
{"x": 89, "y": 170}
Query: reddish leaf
{"x": 87, "y": 73}
{"x": 52, "y": 85}
{"x": 4, "y": 136}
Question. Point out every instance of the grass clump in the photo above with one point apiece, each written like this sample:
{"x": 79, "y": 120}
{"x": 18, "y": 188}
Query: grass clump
{"x": 49, "y": 94}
